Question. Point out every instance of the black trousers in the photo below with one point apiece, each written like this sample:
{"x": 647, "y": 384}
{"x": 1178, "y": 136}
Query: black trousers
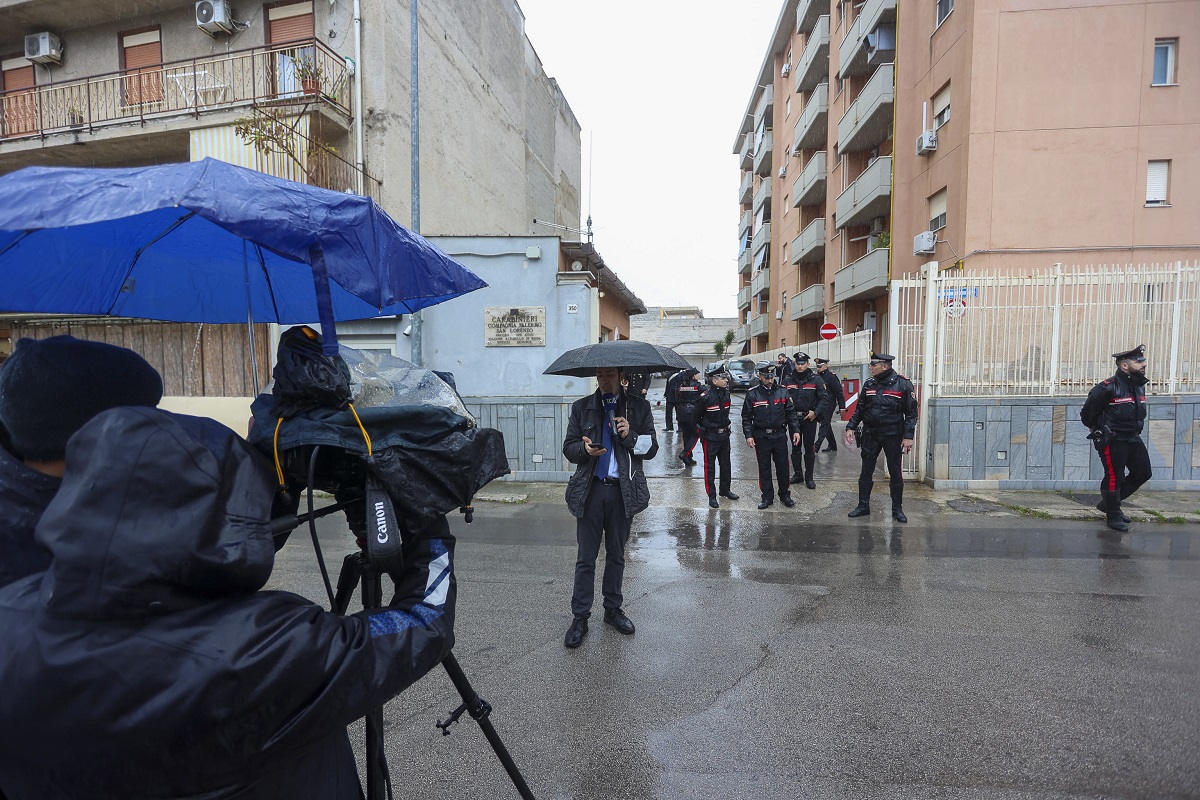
{"x": 603, "y": 519}
{"x": 806, "y": 454}
{"x": 690, "y": 434}
{"x": 871, "y": 447}
{"x": 772, "y": 450}
{"x": 716, "y": 451}
{"x": 1126, "y": 468}
{"x": 670, "y": 416}
{"x": 825, "y": 433}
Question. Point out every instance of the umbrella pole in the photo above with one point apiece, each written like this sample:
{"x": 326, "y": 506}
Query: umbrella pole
{"x": 250, "y": 323}
{"x": 324, "y": 301}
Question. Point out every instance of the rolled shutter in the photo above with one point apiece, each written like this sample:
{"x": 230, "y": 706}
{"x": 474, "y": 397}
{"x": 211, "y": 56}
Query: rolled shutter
{"x": 143, "y": 53}
{"x": 1157, "y": 177}
{"x": 19, "y": 109}
{"x": 290, "y": 23}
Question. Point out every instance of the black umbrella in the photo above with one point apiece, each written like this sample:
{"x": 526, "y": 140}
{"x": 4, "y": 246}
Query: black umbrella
{"x": 582, "y": 362}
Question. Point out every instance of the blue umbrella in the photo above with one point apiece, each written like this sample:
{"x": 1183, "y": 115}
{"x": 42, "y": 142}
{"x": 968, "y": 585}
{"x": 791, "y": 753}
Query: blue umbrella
{"x": 210, "y": 242}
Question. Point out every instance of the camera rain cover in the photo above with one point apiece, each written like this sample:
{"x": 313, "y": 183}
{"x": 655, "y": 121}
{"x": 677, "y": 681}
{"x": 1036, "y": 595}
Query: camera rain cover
{"x": 426, "y": 448}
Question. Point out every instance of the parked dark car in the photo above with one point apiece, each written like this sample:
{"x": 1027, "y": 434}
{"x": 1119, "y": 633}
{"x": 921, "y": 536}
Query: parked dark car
{"x": 741, "y": 374}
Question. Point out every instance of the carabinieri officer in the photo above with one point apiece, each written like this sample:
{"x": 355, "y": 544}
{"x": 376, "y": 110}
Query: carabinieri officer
{"x": 712, "y": 418}
{"x": 767, "y": 419}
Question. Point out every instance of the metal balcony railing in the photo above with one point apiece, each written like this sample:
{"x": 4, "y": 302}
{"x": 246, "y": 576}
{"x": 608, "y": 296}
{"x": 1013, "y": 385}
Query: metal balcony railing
{"x": 809, "y": 246}
{"x": 810, "y": 186}
{"x": 869, "y": 196}
{"x": 866, "y": 277}
{"x": 762, "y": 155}
{"x": 761, "y": 282}
{"x": 762, "y": 237}
{"x": 813, "y": 66}
{"x": 746, "y": 153}
{"x": 807, "y": 12}
{"x": 868, "y": 121}
{"x": 766, "y": 104}
{"x": 763, "y": 194}
{"x": 758, "y": 325}
{"x": 809, "y": 303}
{"x": 812, "y": 128}
{"x": 743, "y": 298}
{"x": 852, "y": 53}
{"x": 301, "y": 72}
{"x": 746, "y": 190}
{"x": 744, "y": 261}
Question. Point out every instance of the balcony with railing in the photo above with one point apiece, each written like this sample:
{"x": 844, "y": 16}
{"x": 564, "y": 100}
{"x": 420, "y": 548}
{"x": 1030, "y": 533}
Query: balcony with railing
{"x": 855, "y": 50}
{"x": 743, "y": 298}
{"x": 762, "y": 155}
{"x": 869, "y": 196}
{"x": 810, "y": 186}
{"x": 809, "y": 303}
{"x": 746, "y": 190}
{"x": 744, "y": 261}
{"x": 812, "y": 129}
{"x": 866, "y": 277}
{"x": 813, "y": 66}
{"x": 868, "y": 121}
{"x": 758, "y": 325}
{"x": 765, "y": 107}
{"x": 807, "y": 13}
{"x": 761, "y": 282}
{"x": 809, "y": 246}
{"x": 745, "y": 223}
{"x": 763, "y": 195}
{"x": 746, "y": 153}
{"x": 742, "y": 333}
{"x": 303, "y": 73}
{"x": 762, "y": 238}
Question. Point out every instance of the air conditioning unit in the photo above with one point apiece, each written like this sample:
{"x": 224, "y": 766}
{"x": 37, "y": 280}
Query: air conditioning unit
{"x": 782, "y": 172}
{"x": 876, "y": 225}
{"x": 44, "y": 48}
{"x": 926, "y": 142}
{"x": 925, "y": 243}
{"x": 214, "y": 16}
{"x": 778, "y": 315}
{"x": 785, "y": 70}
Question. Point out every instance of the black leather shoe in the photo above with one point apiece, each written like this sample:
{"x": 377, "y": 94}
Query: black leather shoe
{"x": 1124, "y": 517}
{"x": 860, "y": 510}
{"x": 797, "y": 479}
{"x": 616, "y": 617}
{"x": 829, "y": 450}
{"x": 787, "y": 500}
{"x": 730, "y": 495}
{"x": 898, "y": 515}
{"x": 765, "y": 504}
{"x": 712, "y": 503}
{"x": 1117, "y": 524}
{"x": 810, "y": 483}
{"x": 576, "y": 632}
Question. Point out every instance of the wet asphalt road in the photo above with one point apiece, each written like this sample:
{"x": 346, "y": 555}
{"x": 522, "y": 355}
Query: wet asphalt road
{"x": 794, "y": 655}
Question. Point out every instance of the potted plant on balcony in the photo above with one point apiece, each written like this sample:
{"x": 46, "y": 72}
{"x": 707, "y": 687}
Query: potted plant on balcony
{"x": 75, "y": 117}
{"x": 310, "y": 75}
{"x": 879, "y": 241}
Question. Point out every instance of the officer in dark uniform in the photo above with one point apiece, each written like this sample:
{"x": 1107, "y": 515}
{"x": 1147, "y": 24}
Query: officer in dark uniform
{"x": 669, "y": 397}
{"x": 767, "y": 419}
{"x": 1115, "y": 411}
{"x": 887, "y": 410}
{"x": 687, "y": 391}
{"x": 712, "y": 418}
{"x": 825, "y": 434}
{"x": 810, "y": 398}
{"x": 638, "y": 384}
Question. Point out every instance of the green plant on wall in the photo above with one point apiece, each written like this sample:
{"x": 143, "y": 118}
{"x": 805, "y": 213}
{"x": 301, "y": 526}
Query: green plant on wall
{"x": 722, "y": 347}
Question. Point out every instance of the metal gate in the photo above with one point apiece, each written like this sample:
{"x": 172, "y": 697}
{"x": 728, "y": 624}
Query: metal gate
{"x": 1042, "y": 334}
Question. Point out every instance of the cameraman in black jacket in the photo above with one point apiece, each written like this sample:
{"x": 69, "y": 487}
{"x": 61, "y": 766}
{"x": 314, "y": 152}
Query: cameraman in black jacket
{"x": 887, "y": 410}
{"x": 767, "y": 419}
{"x": 1115, "y": 411}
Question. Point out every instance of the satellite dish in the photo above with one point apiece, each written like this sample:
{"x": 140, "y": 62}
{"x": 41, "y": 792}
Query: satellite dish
{"x": 576, "y": 266}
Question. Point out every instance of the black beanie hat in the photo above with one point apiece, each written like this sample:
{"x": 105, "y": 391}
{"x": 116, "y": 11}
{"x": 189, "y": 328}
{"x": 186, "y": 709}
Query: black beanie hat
{"x": 49, "y": 388}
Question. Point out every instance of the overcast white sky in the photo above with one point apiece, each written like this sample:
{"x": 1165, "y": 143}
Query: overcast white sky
{"x": 659, "y": 88}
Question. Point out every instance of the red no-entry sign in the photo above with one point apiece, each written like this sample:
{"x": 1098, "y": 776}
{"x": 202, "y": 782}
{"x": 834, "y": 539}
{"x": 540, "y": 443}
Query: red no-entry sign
{"x": 829, "y": 331}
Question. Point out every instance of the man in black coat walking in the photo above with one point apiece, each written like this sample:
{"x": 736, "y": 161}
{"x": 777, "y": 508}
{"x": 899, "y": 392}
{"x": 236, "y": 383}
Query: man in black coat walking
{"x": 669, "y": 398}
{"x": 834, "y": 385}
{"x": 609, "y": 435}
{"x": 887, "y": 410}
{"x": 1115, "y": 411}
{"x": 687, "y": 392}
{"x": 768, "y": 418}
{"x": 712, "y": 418}
{"x": 811, "y": 400}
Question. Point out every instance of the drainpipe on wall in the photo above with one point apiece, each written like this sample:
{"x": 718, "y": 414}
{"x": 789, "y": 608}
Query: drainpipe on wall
{"x": 358, "y": 109}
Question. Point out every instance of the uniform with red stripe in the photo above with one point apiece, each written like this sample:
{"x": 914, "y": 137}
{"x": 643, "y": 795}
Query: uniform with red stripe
{"x": 1115, "y": 411}
{"x": 687, "y": 393}
{"x": 769, "y": 420}
{"x": 810, "y": 396}
{"x": 887, "y": 410}
{"x": 712, "y": 418}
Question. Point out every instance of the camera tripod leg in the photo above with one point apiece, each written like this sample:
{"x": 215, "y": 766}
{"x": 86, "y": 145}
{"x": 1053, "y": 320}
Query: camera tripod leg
{"x": 479, "y": 709}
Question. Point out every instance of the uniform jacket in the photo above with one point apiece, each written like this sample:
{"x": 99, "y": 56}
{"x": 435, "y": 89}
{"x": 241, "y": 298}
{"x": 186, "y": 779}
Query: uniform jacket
{"x": 886, "y": 407}
{"x": 1118, "y": 402}
{"x": 687, "y": 392}
{"x": 712, "y": 413}
{"x": 835, "y": 389}
{"x": 24, "y": 495}
{"x": 672, "y": 386}
{"x": 768, "y": 408}
{"x": 808, "y": 392}
{"x": 587, "y": 417}
{"x": 637, "y": 382}
{"x": 145, "y": 662}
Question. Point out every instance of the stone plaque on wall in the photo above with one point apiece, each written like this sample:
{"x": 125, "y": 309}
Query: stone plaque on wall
{"x": 514, "y": 327}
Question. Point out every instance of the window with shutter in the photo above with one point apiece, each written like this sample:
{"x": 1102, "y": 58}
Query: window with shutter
{"x": 941, "y": 107}
{"x": 18, "y": 108}
{"x": 141, "y": 60}
{"x": 294, "y": 66}
{"x": 937, "y": 211}
{"x": 1158, "y": 176}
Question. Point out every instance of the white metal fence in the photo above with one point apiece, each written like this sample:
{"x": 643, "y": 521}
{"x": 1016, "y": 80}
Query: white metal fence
{"x": 844, "y": 350}
{"x": 1045, "y": 333}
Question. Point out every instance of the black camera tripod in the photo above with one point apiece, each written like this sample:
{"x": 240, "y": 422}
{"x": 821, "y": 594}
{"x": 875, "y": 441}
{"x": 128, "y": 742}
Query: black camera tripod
{"x": 357, "y": 570}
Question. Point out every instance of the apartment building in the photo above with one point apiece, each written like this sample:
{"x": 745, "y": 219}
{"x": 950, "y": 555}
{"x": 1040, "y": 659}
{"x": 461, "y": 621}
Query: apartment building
{"x": 1028, "y": 134}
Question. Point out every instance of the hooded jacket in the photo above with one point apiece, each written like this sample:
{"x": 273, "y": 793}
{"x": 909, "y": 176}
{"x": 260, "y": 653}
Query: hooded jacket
{"x": 146, "y": 662}
{"x": 24, "y": 495}
{"x": 587, "y": 417}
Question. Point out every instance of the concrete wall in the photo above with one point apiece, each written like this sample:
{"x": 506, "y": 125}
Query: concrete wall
{"x": 1039, "y": 443}
{"x": 691, "y": 338}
